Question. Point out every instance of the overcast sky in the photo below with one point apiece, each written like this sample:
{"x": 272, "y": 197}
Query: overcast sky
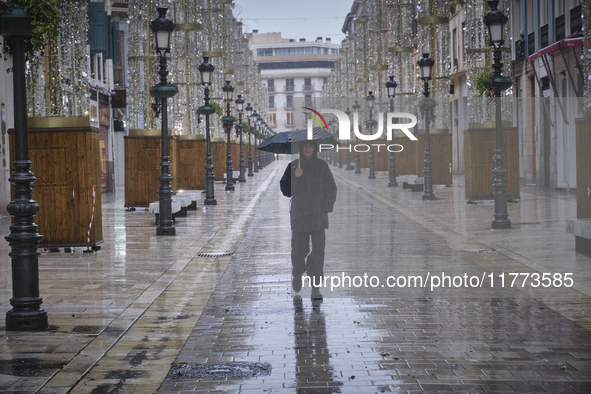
{"x": 295, "y": 18}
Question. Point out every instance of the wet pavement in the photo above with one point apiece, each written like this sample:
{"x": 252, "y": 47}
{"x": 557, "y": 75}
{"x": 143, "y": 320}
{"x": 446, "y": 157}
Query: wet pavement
{"x": 438, "y": 302}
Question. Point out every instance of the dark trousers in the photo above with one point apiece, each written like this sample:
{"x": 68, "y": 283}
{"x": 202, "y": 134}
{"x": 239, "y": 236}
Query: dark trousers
{"x": 305, "y": 260}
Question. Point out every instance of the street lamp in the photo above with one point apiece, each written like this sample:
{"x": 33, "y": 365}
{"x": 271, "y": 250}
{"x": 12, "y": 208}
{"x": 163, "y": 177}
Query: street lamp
{"x": 239, "y": 127}
{"x": 370, "y": 124}
{"x": 206, "y": 71}
{"x": 339, "y": 155}
{"x": 391, "y": 90}
{"x": 26, "y": 312}
{"x": 356, "y": 107}
{"x": 249, "y": 115}
{"x": 228, "y": 122}
{"x": 348, "y": 166}
{"x": 163, "y": 27}
{"x": 426, "y": 65}
{"x": 256, "y": 122}
{"x": 495, "y": 21}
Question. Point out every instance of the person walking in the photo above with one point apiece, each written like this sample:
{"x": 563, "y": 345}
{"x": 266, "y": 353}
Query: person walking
{"x": 310, "y": 184}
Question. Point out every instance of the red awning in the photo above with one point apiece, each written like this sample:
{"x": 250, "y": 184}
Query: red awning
{"x": 566, "y": 43}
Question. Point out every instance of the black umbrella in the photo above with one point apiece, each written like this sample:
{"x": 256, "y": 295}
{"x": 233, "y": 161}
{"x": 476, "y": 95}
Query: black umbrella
{"x": 282, "y": 142}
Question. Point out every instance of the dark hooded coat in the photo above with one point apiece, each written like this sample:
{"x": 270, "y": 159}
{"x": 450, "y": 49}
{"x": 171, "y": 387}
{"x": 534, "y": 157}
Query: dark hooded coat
{"x": 312, "y": 195}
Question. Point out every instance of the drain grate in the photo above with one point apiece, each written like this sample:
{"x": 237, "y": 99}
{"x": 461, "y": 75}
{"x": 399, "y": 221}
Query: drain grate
{"x": 214, "y": 254}
{"x": 217, "y": 371}
{"x": 476, "y": 251}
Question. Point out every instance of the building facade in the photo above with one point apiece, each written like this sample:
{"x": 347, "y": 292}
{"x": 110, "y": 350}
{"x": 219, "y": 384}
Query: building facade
{"x": 294, "y": 72}
{"x": 549, "y": 79}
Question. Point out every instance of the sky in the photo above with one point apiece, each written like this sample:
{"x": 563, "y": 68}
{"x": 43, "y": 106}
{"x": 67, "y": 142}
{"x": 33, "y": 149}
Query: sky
{"x": 295, "y": 19}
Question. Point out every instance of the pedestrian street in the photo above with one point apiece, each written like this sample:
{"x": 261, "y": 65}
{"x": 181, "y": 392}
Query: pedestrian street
{"x": 212, "y": 310}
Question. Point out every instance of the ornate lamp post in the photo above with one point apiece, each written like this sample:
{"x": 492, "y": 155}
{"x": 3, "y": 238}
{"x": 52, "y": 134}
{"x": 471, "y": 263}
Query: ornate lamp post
{"x": 257, "y": 121}
{"x": 340, "y": 155}
{"x": 240, "y": 107}
{"x": 26, "y": 312}
{"x": 206, "y": 70}
{"x": 163, "y": 27}
{"x": 426, "y": 65}
{"x": 356, "y": 107}
{"x": 495, "y": 21}
{"x": 348, "y": 166}
{"x": 391, "y": 90}
{"x": 228, "y": 122}
{"x": 249, "y": 115}
{"x": 370, "y": 124}
{"x": 262, "y": 126}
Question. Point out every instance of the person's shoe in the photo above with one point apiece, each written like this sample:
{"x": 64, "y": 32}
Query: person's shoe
{"x": 296, "y": 283}
{"x": 316, "y": 294}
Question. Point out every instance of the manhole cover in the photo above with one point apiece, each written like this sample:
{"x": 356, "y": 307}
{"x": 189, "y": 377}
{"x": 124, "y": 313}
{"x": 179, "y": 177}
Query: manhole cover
{"x": 214, "y": 254}
{"x": 231, "y": 370}
{"x": 476, "y": 251}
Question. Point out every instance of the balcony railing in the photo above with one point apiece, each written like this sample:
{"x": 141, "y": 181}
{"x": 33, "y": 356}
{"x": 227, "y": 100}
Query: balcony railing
{"x": 271, "y": 89}
{"x": 272, "y": 105}
{"x": 308, "y": 87}
{"x": 288, "y": 123}
{"x": 289, "y": 88}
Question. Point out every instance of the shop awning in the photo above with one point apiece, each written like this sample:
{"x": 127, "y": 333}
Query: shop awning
{"x": 566, "y": 43}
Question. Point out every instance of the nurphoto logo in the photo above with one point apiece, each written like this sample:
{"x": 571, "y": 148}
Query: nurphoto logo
{"x": 345, "y": 129}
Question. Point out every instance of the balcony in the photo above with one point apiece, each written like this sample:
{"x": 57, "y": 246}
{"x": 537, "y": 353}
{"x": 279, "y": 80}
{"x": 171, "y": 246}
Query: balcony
{"x": 290, "y": 88}
{"x": 272, "y": 106}
{"x": 271, "y": 89}
{"x": 288, "y": 123}
{"x": 308, "y": 87}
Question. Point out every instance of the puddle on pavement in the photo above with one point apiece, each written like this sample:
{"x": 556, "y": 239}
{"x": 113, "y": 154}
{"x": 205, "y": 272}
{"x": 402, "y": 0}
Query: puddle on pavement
{"x": 219, "y": 371}
{"x": 30, "y": 367}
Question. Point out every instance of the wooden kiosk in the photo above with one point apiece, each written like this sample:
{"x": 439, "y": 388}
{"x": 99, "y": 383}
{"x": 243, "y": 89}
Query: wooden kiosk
{"x": 64, "y": 152}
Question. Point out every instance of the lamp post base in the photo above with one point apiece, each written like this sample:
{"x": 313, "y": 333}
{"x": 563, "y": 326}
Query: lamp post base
{"x": 392, "y": 184}
{"x": 26, "y": 321}
{"x": 501, "y": 224}
{"x": 430, "y": 196}
{"x": 210, "y": 201}
{"x": 165, "y": 231}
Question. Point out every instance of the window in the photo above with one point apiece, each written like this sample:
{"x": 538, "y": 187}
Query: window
{"x": 289, "y": 119}
{"x": 289, "y": 85}
{"x": 576, "y": 22}
{"x": 544, "y": 36}
{"x": 454, "y": 47}
{"x": 463, "y": 43}
{"x": 307, "y": 100}
{"x": 270, "y": 85}
{"x": 273, "y": 120}
{"x": 271, "y": 101}
{"x": 335, "y": 51}
{"x": 289, "y": 101}
{"x": 307, "y": 84}
{"x": 265, "y": 52}
{"x": 560, "y": 27}
{"x": 289, "y": 51}
{"x": 311, "y": 50}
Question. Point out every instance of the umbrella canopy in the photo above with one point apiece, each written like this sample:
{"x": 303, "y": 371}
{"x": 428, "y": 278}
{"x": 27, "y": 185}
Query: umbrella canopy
{"x": 282, "y": 142}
